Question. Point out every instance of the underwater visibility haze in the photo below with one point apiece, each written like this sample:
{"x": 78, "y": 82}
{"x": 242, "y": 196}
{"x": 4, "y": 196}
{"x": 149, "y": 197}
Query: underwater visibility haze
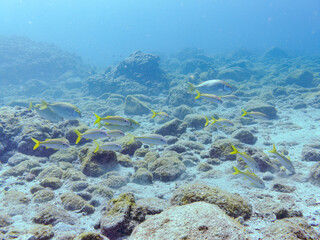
{"x": 167, "y": 120}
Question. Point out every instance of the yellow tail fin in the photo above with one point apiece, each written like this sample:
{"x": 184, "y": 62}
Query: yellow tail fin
{"x": 274, "y": 150}
{"x": 79, "y": 136}
{"x": 213, "y": 120}
{"x": 30, "y": 106}
{"x": 235, "y": 151}
{"x": 237, "y": 171}
{"x": 199, "y": 94}
{"x": 131, "y": 138}
{"x": 37, "y": 143}
{"x": 154, "y": 113}
{"x": 244, "y": 112}
{"x": 207, "y": 121}
{"x": 98, "y": 119}
{"x": 191, "y": 87}
{"x": 44, "y": 105}
{"x": 98, "y": 146}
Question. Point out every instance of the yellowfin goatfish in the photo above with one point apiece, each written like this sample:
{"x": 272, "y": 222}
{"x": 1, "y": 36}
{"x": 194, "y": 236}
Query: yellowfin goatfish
{"x": 66, "y": 110}
{"x": 91, "y": 134}
{"x": 229, "y": 97}
{"x": 161, "y": 114}
{"x": 112, "y": 120}
{"x": 285, "y": 161}
{"x": 153, "y": 139}
{"x": 221, "y": 121}
{"x": 257, "y": 115}
{"x": 109, "y": 146}
{"x": 209, "y": 97}
{"x": 215, "y": 86}
{"x": 58, "y": 143}
{"x": 247, "y": 159}
{"x": 252, "y": 178}
{"x": 46, "y": 113}
{"x": 115, "y": 134}
{"x": 133, "y": 125}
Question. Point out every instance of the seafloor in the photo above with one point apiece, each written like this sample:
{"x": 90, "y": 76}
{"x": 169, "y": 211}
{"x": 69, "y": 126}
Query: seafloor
{"x": 184, "y": 190}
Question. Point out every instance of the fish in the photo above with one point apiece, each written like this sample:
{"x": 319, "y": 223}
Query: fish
{"x": 285, "y": 161}
{"x": 46, "y": 113}
{"x": 94, "y": 133}
{"x": 66, "y": 110}
{"x": 222, "y": 122}
{"x": 210, "y": 97}
{"x": 125, "y": 128}
{"x": 251, "y": 163}
{"x": 161, "y": 114}
{"x": 109, "y": 146}
{"x": 230, "y": 97}
{"x": 153, "y": 139}
{"x": 57, "y": 143}
{"x": 115, "y": 134}
{"x": 116, "y": 120}
{"x": 215, "y": 86}
{"x": 256, "y": 115}
{"x": 252, "y": 178}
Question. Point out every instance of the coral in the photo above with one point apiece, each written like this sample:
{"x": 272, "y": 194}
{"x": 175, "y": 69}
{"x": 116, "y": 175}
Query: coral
{"x": 204, "y": 167}
{"x": 43, "y": 195}
{"x": 51, "y": 182}
{"x": 73, "y": 202}
{"x": 125, "y": 160}
{"x": 78, "y": 186}
{"x": 89, "y": 236}
{"x": 52, "y": 215}
{"x": 129, "y": 147}
{"x": 233, "y": 204}
{"x": 51, "y": 171}
{"x": 41, "y": 232}
{"x": 116, "y": 182}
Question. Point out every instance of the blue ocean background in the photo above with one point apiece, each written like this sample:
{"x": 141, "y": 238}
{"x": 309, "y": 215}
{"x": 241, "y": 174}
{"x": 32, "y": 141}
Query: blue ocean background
{"x": 159, "y": 119}
{"x": 103, "y": 31}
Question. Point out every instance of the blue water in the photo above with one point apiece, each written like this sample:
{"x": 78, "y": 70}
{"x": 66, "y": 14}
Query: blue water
{"x": 104, "y": 31}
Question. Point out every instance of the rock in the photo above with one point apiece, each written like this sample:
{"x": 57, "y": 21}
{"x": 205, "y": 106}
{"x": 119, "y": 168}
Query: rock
{"x": 51, "y": 182}
{"x": 314, "y": 175}
{"x": 79, "y": 186}
{"x": 181, "y": 111}
{"x": 51, "y": 171}
{"x": 116, "y": 182}
{"x": 301, "y": 77}
{"x": 167, "y": 169}
{"x": 221, "y": 149}
{"x": 121, "y": 216}
{"x": 196, "y": 121}
{"x": 264, "y": 162}
{"x": 74, "y": 175}
{"x": 192, "y": 145}
{"x": 194, "y": 65}
{"x": 275, "y": 53}
{"x": 244, "y": 136}
{"x": 178, "y": 95}
{"x": 5, "y": 220}
{"x": 36, "y": 188}
{"x": 73, "y": 202}
{"x": 232, "y": 204}
{"x": 152, "y": 205}
{"x": 89, "y": 236}
{"x": 151, "y": 157}
{"x": 234, "y": 73}
{"x": 96, "y": 164}
{"x": 52, "y": 215}
{"x": 256, "y": 106}
{"x": 21, "y": 168}
{"x": 279, "y": 187}
{"x": 17, "y": 158}
{"x": 67, "y": 155}
{"x": 204, "y": 167}
{"x": 192, "y": 221}
{"x": 142, "y": 176}
{"x": 179, "y": 148}
{"x": 141, "y": 67}
{"x": 43, "y": 196}
{"x": 289, "y": 228}
{"x": 310, "y": 154}
{"x": 133, "y": 106}
{"x": 174, "y": 127}
{"x": 41, "y": 232}
{"x": 128, "y": 147}
{"x": 35, "y": 60}
{"x": 141, "y": 152}
{"x": 125, "y": 160}
{"x": 101, "y": 191}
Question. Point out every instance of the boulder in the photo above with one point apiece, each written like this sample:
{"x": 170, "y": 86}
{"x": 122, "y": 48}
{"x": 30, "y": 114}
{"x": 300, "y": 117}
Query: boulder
{"x": 301, "y": 77}
{"x": 174, "y": 127}
{"x": 133, "y": 106}
{"x": 193, "y": 221}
